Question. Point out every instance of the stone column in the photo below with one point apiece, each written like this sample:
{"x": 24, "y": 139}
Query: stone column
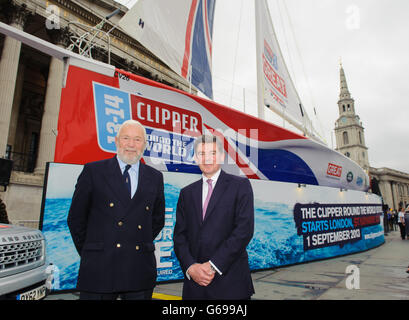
{"x": 48, "y": 133}
{"x": 18, "y": 93}
{"x": 386, "y": 191}
{"x": 394, "y": 193}
{"x": 8, "y": 71}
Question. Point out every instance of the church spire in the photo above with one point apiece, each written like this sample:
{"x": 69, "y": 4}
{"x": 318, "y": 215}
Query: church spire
{"x": 345, "y": 102}
{"x": 349, "y": 131}
{"x": 344, "y": 92}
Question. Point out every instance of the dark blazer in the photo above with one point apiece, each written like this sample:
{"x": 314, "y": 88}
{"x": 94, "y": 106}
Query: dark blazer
{"x": 221, "y": 237}
{"x": 113, "y": 233}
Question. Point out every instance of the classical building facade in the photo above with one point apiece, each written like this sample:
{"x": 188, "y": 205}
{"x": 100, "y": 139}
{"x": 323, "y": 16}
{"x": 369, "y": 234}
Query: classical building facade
{"x": 30, "y": 86}
{"x": 393, "y": 186}
{"x": 350, "y": 140}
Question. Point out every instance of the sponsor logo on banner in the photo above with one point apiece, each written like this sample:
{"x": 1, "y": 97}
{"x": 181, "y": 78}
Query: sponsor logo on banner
{"x": 170, "y": 130}
{"x": 276, "y": 84}
{"x": 269, "y": 55}
{"x": 112, "y": 108}
{"x": 334, "y": 170}
{"x": 274, "y": 79}
{"x": 169, "y": 146}
{"x": 350, "y": 176}
{"x": 164, "y": 116}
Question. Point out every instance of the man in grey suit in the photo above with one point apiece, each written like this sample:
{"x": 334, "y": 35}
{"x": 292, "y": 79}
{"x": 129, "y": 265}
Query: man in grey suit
{"x": 117, "y": 210}
{"x": 214, "y": 224}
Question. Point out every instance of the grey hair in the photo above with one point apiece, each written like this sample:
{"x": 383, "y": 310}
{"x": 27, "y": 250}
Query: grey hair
{"x": 208, "y": 138}
{"x": 133, "y": 123}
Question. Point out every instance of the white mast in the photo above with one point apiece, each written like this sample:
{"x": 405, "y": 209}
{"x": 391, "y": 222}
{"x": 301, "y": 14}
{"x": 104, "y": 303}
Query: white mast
{"x": 275, "y": 88}
{"x": 260, "y": 76}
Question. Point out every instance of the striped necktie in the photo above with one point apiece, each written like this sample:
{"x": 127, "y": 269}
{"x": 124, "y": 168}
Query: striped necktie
{"x": 209, "y": 194}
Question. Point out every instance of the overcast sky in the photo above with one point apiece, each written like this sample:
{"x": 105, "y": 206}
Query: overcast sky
{"x": 371, "y": 38}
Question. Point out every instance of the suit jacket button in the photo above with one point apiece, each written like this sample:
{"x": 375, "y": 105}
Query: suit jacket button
{"x": 120, "y": 223}
{"x": 111, "y": 204}
{"x": 139, "y": 227}
{"x": 137, "y": 248}
{"x": 118, "y": 245}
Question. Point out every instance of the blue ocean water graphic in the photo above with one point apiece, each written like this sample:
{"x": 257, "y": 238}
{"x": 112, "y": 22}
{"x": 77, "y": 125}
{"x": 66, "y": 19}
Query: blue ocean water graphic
{"x": 60, "y": 248}
{"x": 275, "y": 241}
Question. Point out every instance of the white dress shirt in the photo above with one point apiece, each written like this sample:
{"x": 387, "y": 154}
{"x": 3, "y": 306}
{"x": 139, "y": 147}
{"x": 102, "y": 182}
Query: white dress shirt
{"x": 133, "y": 174}
{"x": 205, "y": 191}
{"x": 205, "y": 188}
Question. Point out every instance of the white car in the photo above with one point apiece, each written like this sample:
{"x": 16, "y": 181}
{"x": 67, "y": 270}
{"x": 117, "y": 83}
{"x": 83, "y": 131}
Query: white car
{"x": 23, "y": 269}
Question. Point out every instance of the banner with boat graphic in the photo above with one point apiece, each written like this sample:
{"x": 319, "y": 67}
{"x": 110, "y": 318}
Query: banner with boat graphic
{"x": 293, "y": 223}
{"x": 94, "y": 105}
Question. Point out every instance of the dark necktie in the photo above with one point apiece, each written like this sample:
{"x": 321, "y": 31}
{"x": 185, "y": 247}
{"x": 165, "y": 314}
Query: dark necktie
{"x": 127, "y": 178}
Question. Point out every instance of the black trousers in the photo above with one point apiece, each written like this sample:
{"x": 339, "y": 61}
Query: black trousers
{"x": 132, "y": 295}
{"x": 402, "y": 230}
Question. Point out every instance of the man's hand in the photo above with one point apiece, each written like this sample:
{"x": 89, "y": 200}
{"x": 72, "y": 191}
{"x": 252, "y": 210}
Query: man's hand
{"x": 201, "y": 273}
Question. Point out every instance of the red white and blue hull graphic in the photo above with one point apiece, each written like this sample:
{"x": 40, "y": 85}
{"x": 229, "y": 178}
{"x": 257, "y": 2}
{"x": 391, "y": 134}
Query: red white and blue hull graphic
{"x": 93, "y": 106}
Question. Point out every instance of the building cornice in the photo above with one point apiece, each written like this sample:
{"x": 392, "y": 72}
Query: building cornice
{"x": 388, "y": 172}
{"x": 348, "y": 147}
{"x": 24, "y": 178}
{"x": 340, "y": 127}
{"x": 346, "y": 99}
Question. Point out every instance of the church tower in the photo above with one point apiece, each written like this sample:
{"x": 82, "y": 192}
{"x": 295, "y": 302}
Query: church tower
{"x": 349, "y": 132}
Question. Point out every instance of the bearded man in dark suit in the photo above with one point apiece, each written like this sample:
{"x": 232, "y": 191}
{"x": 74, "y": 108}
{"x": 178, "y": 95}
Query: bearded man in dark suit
{"x": 117, "y": 210}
